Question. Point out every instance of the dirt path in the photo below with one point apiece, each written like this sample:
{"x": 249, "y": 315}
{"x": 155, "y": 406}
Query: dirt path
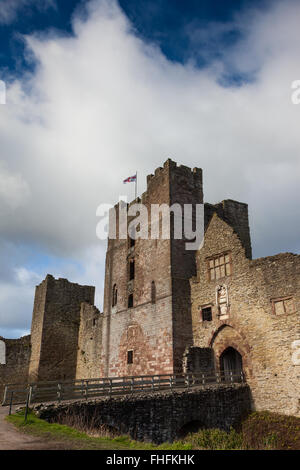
{"x": 12, "y": 439}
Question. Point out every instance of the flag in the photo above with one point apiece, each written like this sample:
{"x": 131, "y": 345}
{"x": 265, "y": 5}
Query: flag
{"x": 130, "y": 179}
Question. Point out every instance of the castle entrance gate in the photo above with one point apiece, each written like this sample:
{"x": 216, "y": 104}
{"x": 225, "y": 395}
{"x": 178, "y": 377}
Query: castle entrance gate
{"x": 230, "y": 362}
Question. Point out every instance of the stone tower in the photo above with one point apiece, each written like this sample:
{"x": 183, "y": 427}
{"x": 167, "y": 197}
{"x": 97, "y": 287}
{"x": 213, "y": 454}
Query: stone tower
{"x": 55, "y": 328}
{"x": 147, "y": 318}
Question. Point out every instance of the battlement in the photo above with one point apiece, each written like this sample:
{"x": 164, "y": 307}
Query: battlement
{"x": 177, "y": 176}
{"x": 170, "y": 164}
{"x": 169, "y": 184}
{"x": 63, "y": 288}
{"x": 169, "y": 171}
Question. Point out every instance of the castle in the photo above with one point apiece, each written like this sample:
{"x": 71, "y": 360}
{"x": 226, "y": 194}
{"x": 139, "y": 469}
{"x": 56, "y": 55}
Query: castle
{"x": 167, "y": 309}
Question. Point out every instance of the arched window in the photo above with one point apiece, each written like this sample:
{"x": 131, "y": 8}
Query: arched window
{"x": 114, "y": 295}
{"x": 2, "y": 352}
{"x": 153, "y": 292}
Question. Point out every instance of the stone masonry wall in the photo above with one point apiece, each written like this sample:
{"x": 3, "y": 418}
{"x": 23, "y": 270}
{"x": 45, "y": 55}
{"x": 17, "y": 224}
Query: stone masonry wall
{"x": 236, "y": 215}
{"x": 159, "y": 417}
{"x": 146, "y": 326}
{"x": 89, "y": 360}
{"x": 37, "y": 325}
{"x": 55, "y": 327}
{"x": 185, "y": 188}
{"x": 147, "y": 331}
{"x": 265, "y": 340}
{"x": 198, "y": 360}
{"x": 158, "y": 332}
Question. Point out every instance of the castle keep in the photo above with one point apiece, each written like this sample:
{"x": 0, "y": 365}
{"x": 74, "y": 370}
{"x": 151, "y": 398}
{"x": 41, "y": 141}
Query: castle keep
{"x": 167, "y": 309}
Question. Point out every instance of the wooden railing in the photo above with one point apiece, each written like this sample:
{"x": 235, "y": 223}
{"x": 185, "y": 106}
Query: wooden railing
{"x": 15, "y": 394}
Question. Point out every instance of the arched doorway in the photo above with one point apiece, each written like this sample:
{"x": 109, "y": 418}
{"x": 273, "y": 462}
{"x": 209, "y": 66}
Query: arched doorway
{"x": 231, "y": 364}
{"x": 190, "y": 427}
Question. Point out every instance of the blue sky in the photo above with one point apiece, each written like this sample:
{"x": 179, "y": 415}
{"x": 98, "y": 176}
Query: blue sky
{"x": 99, "y": 89}
{"x": 165, "y": 22}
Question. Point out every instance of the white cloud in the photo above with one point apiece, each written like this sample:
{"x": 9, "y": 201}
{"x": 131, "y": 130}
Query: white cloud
{"x": 14, "y": 191}
{"x": 16, "y": 302}
{"x": 24, "y": 275}
{"x": 103, "y": 103}
{"x": 17, "y": 289}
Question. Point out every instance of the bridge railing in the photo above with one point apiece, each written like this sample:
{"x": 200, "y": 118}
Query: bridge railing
{"x": 17, "y": 394}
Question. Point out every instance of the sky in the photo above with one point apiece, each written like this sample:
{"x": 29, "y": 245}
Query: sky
{"x": 97, "y": 90}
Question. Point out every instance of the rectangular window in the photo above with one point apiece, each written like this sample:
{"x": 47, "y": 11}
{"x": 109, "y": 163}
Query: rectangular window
{"x": 130, "y": 301}
{"x": 219, "y": 266}
{"x": 131, "y": 270}
{"x": 130, "y": 357}
{"x": 283, "y": 306}
{"x": 206, "y": 314}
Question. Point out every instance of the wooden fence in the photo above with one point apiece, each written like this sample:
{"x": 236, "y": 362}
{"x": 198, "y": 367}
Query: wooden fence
{"x": 16, "y": 394}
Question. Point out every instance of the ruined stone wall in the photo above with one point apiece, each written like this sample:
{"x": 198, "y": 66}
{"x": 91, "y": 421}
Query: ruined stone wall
{"x": 55, "y": 328}
{"x": 37, "y": 325}
{"x": 265, "y": 340}
{"x": 89, "y": 360}
{"x": 236, "y": 215}
{"x": 160, "y": 417}
{"x": 17, "y": 356}
{"x": 198, "y": 361}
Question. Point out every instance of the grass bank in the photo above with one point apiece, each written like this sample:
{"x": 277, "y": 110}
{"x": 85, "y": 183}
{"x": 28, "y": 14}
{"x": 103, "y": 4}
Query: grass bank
{"x": 260, "y": 430}
{"x": 76, "y": 439}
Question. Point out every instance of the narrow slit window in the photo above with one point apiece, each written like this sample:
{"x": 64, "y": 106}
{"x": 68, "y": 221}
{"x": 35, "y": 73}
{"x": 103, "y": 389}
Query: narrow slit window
{"x": 114, "y": 296}
{"x": 130, "y": 357}
{"x": 130, "y": 301}
{"x": 131, "y": 270}
{"x": 131, "y": 234}
{"x": 153, "y": 292}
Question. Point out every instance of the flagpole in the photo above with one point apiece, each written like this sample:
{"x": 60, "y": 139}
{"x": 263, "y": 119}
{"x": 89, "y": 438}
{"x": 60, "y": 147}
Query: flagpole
{"x": 135, "y": 185}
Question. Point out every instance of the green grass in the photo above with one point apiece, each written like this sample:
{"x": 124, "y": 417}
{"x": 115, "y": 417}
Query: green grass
{"x": 79, "y": 440}
{"x": 216, "y": 439}
{"x": 260, "y": 430}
